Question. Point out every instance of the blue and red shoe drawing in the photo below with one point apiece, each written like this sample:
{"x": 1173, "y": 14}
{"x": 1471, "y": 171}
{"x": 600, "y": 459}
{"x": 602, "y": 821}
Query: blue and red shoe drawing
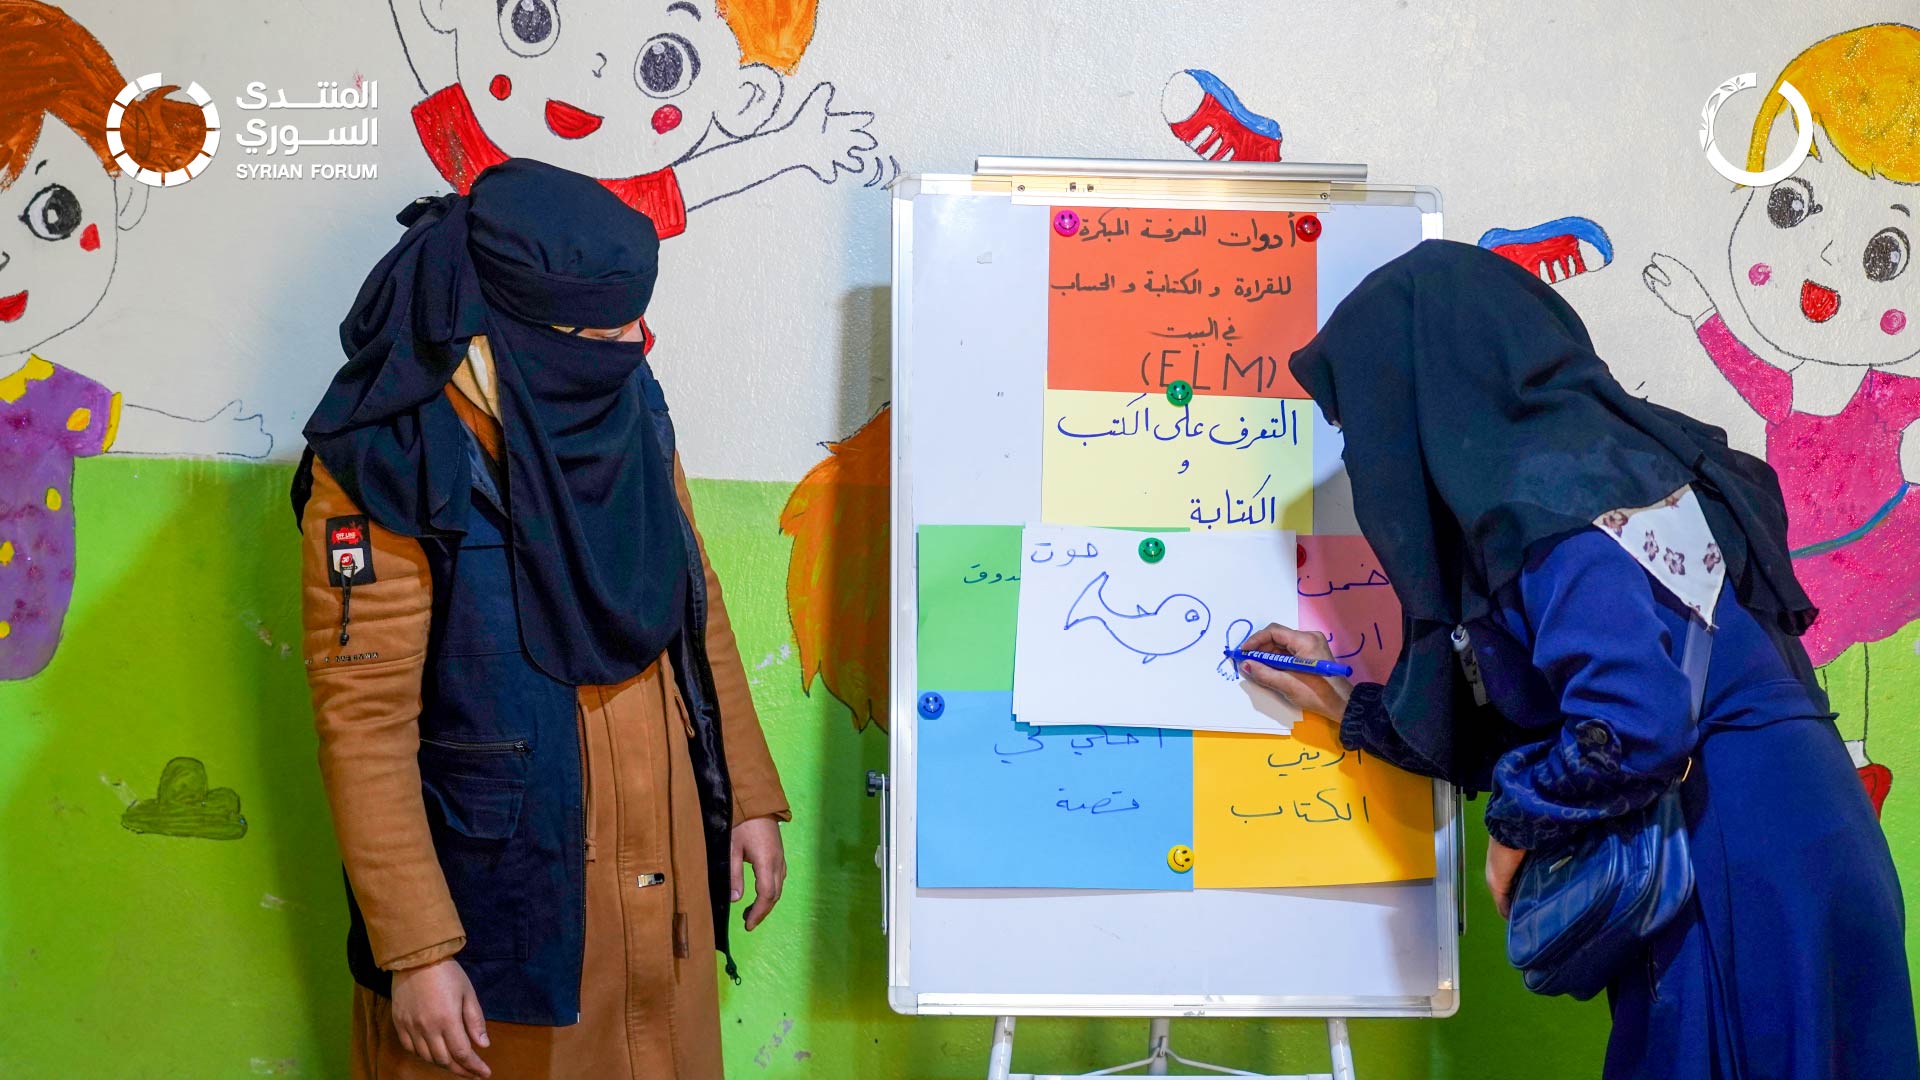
{"x": 1556, "y": 250}
{"x": 1206, "y": 115}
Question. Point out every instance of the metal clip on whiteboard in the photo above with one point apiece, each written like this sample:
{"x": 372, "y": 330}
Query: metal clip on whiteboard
{"x": 877, "y": 785}
{"x": 1161, "y": 1056}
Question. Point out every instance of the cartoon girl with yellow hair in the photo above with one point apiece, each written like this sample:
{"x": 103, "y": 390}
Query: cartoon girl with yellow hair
{"x": 1819, "y": 263}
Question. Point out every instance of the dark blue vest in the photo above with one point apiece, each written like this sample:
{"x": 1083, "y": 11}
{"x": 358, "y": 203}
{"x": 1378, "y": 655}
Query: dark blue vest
{"x": 500, "y": 772}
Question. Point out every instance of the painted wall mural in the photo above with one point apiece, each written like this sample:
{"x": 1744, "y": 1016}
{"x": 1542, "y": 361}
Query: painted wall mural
{"x": 649, "y": 98}
{"x": 1209, "y": 119}
{"x": 63, "y": 207}
{"x": 839, "y": 575}
{"x": 184, "y": 806}
{"x": 1556, "y": 250}
{"x": 1818, "y": 264}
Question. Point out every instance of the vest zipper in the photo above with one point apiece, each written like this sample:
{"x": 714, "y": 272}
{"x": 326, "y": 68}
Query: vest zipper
{"x": 517, "y": 746}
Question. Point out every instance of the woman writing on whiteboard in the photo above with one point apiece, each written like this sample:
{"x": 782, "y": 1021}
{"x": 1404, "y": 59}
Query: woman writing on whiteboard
{"x": 1513, "y": 489}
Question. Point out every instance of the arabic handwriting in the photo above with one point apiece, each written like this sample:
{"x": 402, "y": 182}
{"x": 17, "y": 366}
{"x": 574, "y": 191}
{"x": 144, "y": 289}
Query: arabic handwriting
{"x": 985, "y": 579}
{"x": 1104, "y": 805}
{"x": 1257, "y": 289}
{"x": 1379, "y": 642}
{"x": 1105, "y": 283}
{"x": 1254, "y": 510}
{"x": 1043, "y": 553}
{"x": 1184, "y": 426}
{"x": 1037, "y": 740}
{"x": 1339, "y": 812}
{"x": 1256, "y": 239}
{"x": 1034, "y": 746}
{"x": 1214, "y": 331}
{"x": 1320, "y": 810}
{"x": 1373, "y": 579}
{"x": 1107, "y": 225}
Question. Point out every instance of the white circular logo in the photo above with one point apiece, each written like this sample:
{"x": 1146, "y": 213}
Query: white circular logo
{"x": 1802, "y": 146}
{"x": 154, "y": 177}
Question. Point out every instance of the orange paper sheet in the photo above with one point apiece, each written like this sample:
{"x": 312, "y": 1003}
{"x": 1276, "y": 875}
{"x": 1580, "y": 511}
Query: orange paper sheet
{"x": 1273, "y": 812}
{"x": 1141, "y": 299}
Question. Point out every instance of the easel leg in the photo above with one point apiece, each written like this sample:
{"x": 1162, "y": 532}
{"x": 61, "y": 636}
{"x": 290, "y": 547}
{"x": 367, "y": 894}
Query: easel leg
{"x": 1339, "y": 1049}
{"x": 1000, "y": 1062}
{"x": 1159, "y": 1035}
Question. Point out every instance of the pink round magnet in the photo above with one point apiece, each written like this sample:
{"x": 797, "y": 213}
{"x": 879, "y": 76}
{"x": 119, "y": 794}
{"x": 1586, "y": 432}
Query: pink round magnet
{"x": 1066, "y": 223}
{"x": 1308, "y": 227}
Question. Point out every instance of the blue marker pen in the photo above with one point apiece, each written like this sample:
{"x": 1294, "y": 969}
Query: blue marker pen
{"x": 1291, "y": 663}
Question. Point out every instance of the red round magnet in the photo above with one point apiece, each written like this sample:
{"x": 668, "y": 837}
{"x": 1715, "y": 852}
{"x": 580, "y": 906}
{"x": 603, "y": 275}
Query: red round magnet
{"x": 1308, "y": 227}
{"x": 1066, "y": 223}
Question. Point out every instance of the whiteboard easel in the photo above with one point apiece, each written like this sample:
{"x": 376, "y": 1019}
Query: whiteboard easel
{"x": 969, "y": 333}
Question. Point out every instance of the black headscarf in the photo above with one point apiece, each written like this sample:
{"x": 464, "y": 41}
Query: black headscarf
{"x": 600, "y": 561}
{"x": 1478, "y": 421}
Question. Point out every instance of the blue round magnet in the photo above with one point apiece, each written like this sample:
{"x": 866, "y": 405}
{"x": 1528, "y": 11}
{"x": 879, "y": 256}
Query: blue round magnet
{"x": 932, "y": 705}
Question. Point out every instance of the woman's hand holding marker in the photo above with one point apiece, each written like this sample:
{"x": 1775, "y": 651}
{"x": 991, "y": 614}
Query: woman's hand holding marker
{"x": 1322, "y": 695}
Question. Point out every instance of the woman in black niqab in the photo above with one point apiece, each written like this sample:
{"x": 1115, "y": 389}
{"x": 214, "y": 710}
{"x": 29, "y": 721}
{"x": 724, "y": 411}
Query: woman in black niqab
{"x": 1479, "y": 422}
{"x": 1487, "y": 445}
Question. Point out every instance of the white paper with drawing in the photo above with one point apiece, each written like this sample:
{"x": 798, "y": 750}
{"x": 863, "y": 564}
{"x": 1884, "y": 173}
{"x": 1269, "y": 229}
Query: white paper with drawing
{"x": 1107, "y": 637}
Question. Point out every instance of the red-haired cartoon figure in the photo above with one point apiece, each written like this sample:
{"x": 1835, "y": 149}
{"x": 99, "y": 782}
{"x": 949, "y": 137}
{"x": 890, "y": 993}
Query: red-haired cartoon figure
{"x": 839, "y": 576}
{"x": 1819, "y": 264}
{"x": 672, "y": 103}
{"x": 63, "y": 207}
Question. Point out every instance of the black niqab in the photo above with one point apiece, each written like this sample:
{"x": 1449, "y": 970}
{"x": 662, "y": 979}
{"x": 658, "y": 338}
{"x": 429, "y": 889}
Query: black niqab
{"x": 599, "y": 552}
{"x": 1478, "y": 422}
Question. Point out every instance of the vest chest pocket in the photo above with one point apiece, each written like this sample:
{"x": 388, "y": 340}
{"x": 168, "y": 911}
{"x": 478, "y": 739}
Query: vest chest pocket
{"x": 474, "y": 820}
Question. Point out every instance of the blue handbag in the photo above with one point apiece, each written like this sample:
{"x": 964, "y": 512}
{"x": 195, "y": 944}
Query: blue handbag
{"x": 1583, "y": 911}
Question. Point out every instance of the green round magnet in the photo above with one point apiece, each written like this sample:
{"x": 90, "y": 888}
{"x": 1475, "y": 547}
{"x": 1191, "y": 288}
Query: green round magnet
{"x": 1180, "y": 392}
{"x": 1153, "y": 549}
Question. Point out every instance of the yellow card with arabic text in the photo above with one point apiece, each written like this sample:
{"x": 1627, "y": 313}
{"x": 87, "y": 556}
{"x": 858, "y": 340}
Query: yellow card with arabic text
{"x": 1138, "y": 461}
{"x": 1274, "y": 812}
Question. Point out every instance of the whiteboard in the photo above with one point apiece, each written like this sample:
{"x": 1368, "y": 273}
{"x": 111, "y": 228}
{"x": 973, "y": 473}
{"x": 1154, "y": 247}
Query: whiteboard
{"x": 970, "y": 287}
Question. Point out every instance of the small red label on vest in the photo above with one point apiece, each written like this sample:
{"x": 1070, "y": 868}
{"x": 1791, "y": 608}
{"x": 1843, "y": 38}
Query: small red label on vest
{"x": 349, "y": 555}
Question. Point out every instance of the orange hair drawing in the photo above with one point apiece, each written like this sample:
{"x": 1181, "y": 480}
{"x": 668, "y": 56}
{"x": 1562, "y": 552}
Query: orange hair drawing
{"x": 838, "y": 582}
{"x": 50, "y": 65}
{"x": 1863, "y": 88}
{"x": 771, "y": 32}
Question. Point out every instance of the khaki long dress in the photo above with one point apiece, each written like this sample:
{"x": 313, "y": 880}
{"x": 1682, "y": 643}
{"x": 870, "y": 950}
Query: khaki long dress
{"x": 649, "y": 1004}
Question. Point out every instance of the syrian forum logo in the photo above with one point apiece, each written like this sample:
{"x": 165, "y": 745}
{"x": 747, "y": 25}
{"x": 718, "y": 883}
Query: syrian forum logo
{"x": 154, "y": 177}
{"x": 1802, "y": 146}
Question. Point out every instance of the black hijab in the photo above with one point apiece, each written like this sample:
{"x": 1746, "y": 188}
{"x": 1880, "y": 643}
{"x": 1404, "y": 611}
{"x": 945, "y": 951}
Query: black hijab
{"x": 599, "y": 557}
{"x": 1479, "y": 421}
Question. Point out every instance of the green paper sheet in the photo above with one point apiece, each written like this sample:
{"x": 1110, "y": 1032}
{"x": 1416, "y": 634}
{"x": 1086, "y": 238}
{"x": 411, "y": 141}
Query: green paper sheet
{"x": 969, "y": 603}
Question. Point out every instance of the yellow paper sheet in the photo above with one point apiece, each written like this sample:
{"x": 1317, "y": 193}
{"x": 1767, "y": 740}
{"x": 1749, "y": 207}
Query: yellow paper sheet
{"x": 1136, "y": 461}
{"x": 1286, "y": 811}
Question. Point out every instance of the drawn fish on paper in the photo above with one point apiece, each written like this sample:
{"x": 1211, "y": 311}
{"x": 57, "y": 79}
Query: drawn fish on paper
{"x": 1175, "y": 624}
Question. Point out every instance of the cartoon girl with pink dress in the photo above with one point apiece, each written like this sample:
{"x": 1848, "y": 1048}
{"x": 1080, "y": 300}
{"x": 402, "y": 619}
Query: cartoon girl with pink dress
{"x": 1819, "y": 265}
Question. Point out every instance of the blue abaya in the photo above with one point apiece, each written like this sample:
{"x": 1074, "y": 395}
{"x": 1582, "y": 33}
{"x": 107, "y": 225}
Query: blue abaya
{"x": 1790, "y": 963}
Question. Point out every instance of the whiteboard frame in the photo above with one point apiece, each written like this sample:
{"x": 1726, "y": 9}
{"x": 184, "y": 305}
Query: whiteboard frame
{"x": 1146, "y": 185}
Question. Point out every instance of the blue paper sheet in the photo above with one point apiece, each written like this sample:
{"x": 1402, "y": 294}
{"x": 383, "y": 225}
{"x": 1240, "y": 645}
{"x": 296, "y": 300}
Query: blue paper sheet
{"x": 1004, "y": 805}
